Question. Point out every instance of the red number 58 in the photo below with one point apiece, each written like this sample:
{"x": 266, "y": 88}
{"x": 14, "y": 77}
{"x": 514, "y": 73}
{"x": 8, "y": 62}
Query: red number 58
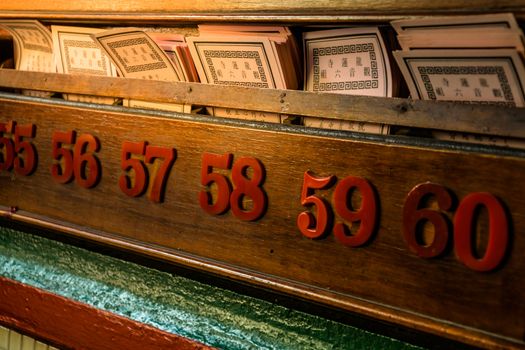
{"x": 245, "y": 189}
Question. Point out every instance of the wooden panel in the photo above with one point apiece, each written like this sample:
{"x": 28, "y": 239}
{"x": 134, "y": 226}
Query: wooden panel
{"x": 248, "y": 10}
{"x": 72, "y": 325}
{"x": 382, "y": 278}
{"x": 481, "y": 119}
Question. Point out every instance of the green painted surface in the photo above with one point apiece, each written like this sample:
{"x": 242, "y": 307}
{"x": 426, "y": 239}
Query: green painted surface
{"x": 175, "y": 304}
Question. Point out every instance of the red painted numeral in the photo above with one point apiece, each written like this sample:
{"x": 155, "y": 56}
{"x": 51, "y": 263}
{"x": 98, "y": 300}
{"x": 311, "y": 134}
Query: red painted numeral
{"x": 223, "y": 186}
{"x": 62, "y": 173}
{"x": 464, "y": 236}
{"x": 75, "y": 158}
{"x": 219, "y": 196}
{"x": 248, "y": 187}
{"x": 136, "y": 186}
{"x": 85, "y": 164}
{"x": 7, "y": 149}
{"x": 25, "y": 165}
{"x": 464, "y": 224}
{"x": 18, "y": 152}
{"x": 366, "y": 216}
{"x": 306, "y": 221}
{"x": 414, "y": 216}
{"x": 159, "y": 183}
{"x": 316, "y": 226}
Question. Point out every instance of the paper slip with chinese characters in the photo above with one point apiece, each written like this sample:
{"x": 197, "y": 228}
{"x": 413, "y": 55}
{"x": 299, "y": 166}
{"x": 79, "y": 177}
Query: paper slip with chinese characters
{"x": 287, "y": 49}
{"x": 482, "y": 76}
{"x": 351, "y": 61}
{"x": 33, "y": 48}
{"x": 136, "y": 55}
{"x": 251, "y": 56}
{"x": 239, "y": 61}
{"x": 469, "y": 59}
{"x": 76, "y": 52}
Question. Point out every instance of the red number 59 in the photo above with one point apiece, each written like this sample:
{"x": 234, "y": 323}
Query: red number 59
{"x": 315, "y": 226}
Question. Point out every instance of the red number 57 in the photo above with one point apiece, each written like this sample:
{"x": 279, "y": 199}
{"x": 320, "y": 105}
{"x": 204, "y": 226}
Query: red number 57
{"x": 131, "y": 161}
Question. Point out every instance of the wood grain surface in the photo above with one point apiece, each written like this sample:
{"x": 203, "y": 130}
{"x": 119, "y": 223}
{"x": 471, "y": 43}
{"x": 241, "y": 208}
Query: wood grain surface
{"x": 480, "y": 119}
{"x": 248, "y": 10}
{"x": 71, "y": 324}
{"x": 383, "y": 278}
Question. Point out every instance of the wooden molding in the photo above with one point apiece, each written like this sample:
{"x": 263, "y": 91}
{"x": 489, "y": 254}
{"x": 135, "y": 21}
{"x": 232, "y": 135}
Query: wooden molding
{"x": 480, "y": 119}
{"x": 70, "y": 324}
{"x": 246, "y": 10}
{"x": 455, "y": 293}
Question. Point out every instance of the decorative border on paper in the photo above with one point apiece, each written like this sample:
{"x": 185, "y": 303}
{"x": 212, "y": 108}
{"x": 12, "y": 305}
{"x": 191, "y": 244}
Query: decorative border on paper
{"x": 88, "y": 45}
{"x": 425, "y": 71}
{"x": 254, "y": 55}
{"x": 346, "y": 85}
{"x": 42, "y": 48}
{"x": 141, "y": 67}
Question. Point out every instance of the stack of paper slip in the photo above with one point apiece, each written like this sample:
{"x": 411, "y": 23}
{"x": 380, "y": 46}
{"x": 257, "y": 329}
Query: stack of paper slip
{"x": 76, "y": 52}
{"x": 33, "y": 48}
{"x": 468, "y": 59}
{"x": 243, "y": 55}
{"x": 352, "y": 61}
{"x": 175, "y": 46}
{"x": 136, "y": 55}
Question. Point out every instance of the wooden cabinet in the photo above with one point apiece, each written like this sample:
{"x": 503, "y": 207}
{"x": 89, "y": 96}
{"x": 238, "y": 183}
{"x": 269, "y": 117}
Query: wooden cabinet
{"x": 462, "y": 280}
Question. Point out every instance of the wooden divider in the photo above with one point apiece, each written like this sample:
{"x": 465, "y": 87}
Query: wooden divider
{"x": 417, "y": 234}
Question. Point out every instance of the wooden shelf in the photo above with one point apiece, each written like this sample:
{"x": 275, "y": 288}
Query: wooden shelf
{"x": 384, "y": 279}
{"x": 479, "y": 119}
{"x": 288, "y": 11}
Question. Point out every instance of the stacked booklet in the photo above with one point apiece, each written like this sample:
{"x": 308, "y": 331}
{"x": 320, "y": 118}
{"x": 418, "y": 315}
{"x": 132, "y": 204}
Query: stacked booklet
{"x": 468, "y": 59}
{"x": 137, "y": 55}
{"x": 353, "y": 61}
{"x": 176, "y": 48}
{"x": 76, "y": 52}
{"x": 465, "y": 59}
{"x": 33, "y": 48}
{"x": 251, "y": 56}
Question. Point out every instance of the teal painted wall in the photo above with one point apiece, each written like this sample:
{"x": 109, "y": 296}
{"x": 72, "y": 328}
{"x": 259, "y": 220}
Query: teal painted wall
{"x": 211, "y": 315}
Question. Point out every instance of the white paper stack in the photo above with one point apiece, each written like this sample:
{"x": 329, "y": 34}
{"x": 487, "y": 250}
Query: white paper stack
{"x": 468, "y": 59}
{"x": 352, "y": 61}
{"x": 136, "y": 55}
{"x": 175, "y": 46}
{"x": 33, "y": 48}
{"x": 242, "y": 55}
{"x": 76, "y": 52}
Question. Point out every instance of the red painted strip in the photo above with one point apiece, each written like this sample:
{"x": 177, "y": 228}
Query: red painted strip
{"x": 71, "y": 324}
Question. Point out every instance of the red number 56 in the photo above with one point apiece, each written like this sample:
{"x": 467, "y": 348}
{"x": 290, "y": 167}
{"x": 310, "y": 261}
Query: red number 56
{"x": 75, "y": 158}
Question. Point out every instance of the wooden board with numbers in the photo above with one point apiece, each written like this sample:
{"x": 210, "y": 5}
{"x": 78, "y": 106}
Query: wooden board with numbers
{"x": 426, "y": 237}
